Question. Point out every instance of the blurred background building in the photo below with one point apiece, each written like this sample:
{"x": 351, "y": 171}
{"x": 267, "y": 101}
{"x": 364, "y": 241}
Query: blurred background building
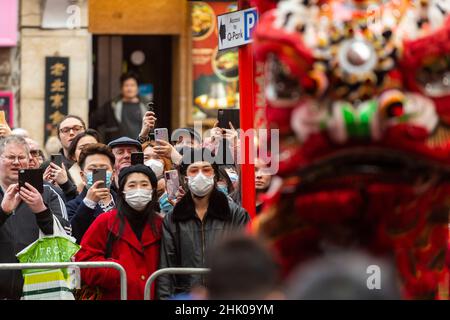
{"x": 66, "y": 56}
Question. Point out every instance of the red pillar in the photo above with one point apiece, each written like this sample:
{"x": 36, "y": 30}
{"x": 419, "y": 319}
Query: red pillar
{"x": 247, "y": 115}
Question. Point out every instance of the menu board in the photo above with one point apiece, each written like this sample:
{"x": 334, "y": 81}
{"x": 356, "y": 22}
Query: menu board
{"x": 215, "y": 73}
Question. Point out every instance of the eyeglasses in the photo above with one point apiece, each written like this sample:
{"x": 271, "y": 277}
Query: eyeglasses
{"x": 12, "y": 158}
{"x": 35, "y": 153}
{"x": 75, "y": 129}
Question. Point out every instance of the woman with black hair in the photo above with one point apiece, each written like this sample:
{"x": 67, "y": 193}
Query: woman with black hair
{"x": 129, "y": 235}
{"x": 82, "y": 140}
{"x": 199, "y": 219}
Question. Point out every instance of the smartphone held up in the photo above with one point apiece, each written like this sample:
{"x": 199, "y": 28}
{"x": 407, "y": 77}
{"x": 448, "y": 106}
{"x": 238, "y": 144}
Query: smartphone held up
{"x": 32, "y": 176}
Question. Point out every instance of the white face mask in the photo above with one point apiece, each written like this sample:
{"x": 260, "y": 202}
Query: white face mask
{"x": 156, "y": 166}
{"x": 138, "y": 199}
{"x": 200, "y": 185}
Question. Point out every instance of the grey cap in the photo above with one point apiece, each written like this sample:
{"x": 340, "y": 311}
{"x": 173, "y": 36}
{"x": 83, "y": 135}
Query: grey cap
{"x": 125, "y": 141}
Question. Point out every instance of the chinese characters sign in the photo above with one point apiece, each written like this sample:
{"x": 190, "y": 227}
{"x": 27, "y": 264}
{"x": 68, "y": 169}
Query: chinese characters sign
{"x": 56, "y": 92}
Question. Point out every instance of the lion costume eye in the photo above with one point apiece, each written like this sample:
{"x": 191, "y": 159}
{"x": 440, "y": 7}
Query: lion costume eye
{"x": 282, "y": 89}
{"x": 411, "y": 108}
{"x": 434, "y": 77}
{"x": 391, "y": 104}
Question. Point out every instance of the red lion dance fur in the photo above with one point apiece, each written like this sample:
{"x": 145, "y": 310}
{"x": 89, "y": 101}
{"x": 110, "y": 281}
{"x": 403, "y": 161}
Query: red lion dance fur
{"x": 360, "y": 93}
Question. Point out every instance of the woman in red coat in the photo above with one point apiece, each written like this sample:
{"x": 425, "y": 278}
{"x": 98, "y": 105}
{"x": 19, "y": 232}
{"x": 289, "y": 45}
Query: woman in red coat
{"x": 128, "y": 235}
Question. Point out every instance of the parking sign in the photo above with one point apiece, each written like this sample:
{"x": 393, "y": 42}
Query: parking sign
{"x": 236, "y": 28}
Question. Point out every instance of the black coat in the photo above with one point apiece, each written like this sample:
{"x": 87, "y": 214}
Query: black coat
{"x": 186, "y": 239}
{"x": 20, "y": 229}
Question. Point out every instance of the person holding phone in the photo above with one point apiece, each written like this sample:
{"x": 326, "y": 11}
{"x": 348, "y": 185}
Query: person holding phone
{"x": 97, "y": 196}
{"x": 126, "y": 115}
{"x": 69, "y": 191}
{"x": 23, "y": 212}
{"x": 129, "y": 235}
{"x": 5, "y": 130}
{"x": 159, "y": 165}
{"x": 69, "y": 127}
{"x": 64, "y": 178}
{"x": 224, "y": 141}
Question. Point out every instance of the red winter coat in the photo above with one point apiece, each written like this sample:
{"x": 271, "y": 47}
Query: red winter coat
{"x": 139, "y": 260}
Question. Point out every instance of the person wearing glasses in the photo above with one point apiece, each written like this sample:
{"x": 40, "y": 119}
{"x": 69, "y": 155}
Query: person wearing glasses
{"x": 69, "y": 127}
{"x": 35, "y": 161}
{"x": 35, "y": 155}
{"x": 61, "y": 177}
{"x": 23, "y": 212}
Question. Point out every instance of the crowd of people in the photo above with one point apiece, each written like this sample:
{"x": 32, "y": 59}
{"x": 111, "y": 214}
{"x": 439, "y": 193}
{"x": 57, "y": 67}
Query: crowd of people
{"x": 133, "y": 218}
{"x": 129, "y": 218}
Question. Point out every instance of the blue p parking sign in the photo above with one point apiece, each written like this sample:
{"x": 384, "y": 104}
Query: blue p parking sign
{"x": 236, "y": 28}
{"x": 250, "y": 18}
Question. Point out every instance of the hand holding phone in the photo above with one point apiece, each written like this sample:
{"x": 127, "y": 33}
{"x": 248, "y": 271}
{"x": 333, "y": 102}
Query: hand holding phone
{"x": 162, "y": 134}
{"x": 3, "y": 117}
{"x": 33, "y": 198}
{"x": 225, "y": 116}
{"x": 57, "y": 159}
{"x": 99, "y": 175}
{"x": 32, "y": 176}
{"x": 172, "y": 183}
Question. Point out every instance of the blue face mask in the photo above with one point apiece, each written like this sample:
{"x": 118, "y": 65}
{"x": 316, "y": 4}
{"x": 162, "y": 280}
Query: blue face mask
{"x": 164, "y": 203}
{"x": 90, "y": 178}
{"x": 222, "y": 188}
{"x": 234, "y": 177}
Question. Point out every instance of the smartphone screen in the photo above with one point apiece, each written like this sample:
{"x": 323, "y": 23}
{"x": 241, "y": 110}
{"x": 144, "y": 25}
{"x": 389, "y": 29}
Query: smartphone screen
{"x": 137, "y": 158}
{"x": 172, "y": 183}
{"x": 225, "y": 116}
{"x": 33, "y": 177}
{"x": 162, "y": 134}
{"x": 57, "y": 159}
{"x": 99, "y": 175}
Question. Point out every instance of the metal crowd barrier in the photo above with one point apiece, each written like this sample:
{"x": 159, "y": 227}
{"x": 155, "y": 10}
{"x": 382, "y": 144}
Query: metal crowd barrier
{"x": 82, "y": 265}
{"x": 156, "y": 274}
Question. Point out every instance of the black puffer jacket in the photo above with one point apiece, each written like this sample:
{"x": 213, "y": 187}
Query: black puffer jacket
{"x": 186, "y": 239}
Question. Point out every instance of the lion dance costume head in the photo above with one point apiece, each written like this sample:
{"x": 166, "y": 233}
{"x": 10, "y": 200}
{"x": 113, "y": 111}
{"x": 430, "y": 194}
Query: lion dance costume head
{"x": 360, "y": 93}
